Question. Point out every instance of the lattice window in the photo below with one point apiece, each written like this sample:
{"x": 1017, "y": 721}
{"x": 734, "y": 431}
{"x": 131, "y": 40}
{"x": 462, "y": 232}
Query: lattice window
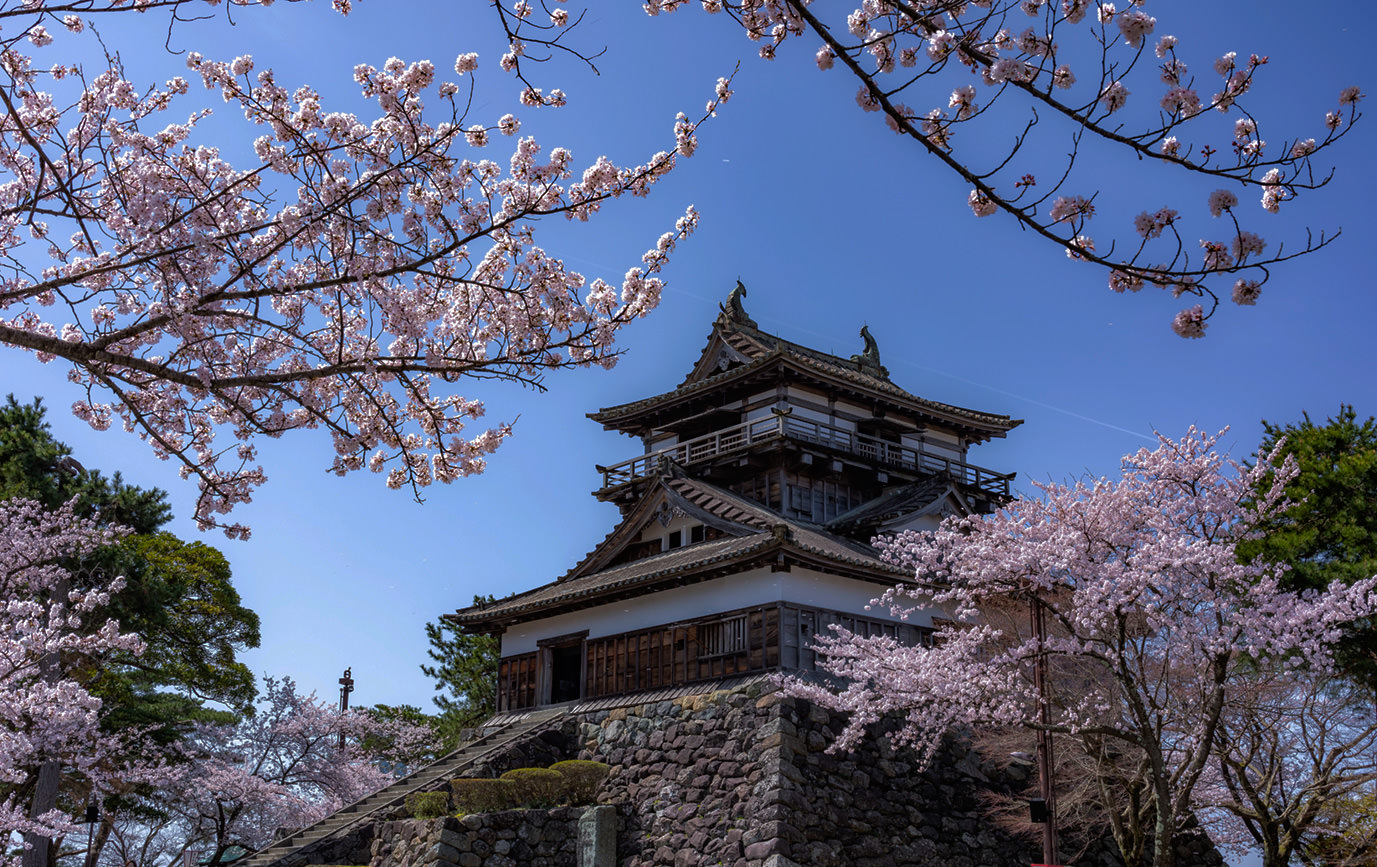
{"x": 724, "y": 636}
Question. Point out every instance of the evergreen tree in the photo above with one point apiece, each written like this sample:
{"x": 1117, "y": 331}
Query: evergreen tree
{"x": 177, "y": 596}
{"x": 1330, "y": 532}
{"x": 465, "y": 672}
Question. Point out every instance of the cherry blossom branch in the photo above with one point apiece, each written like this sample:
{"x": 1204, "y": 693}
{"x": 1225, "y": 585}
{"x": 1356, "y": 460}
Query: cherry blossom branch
{"x": 339, "y": 283}
{"x": 891, "y": 39}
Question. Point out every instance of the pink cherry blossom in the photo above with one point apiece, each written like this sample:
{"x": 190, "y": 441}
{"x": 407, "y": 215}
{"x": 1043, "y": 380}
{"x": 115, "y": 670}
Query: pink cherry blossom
{"x": 50, "y": 630}
{"x": 1245, "y": 291}
{"x": 1155, "y": 629}
{"x": 344, "y": 280}
{"x": 1221, "y": 201}
{"x": 1114, "y": 96}
{"x": 1190, "y": 322}
{"x": 284, "y": 767}
{"x": 981, "y": 204}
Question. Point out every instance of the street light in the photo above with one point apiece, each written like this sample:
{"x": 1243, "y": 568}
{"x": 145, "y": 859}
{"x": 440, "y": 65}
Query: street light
{"x": 92, "y": 817}
{"x": 346, "y": 686}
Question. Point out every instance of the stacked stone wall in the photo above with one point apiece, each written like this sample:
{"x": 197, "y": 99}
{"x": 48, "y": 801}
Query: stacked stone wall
{"x": 742, "y": 778}
{"x": 514, "y": 838}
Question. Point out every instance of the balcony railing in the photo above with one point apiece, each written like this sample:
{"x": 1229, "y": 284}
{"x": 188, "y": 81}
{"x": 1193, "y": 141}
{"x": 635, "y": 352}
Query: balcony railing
{"x": 784, "y": 426}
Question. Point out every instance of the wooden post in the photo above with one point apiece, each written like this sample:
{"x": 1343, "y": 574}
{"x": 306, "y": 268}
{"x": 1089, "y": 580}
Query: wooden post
{"x": 1049, "y": 828}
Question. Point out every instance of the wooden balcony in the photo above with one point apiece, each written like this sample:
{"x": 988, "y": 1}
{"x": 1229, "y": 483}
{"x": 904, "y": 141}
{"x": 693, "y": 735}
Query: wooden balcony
{"x": 786, "y": 427}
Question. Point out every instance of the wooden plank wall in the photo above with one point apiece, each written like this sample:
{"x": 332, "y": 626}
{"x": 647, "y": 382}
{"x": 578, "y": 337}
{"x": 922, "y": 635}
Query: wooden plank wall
{"x": 516, "y": 682}
{"x": 736, "y": 643}
{"x": 800, "y": 625}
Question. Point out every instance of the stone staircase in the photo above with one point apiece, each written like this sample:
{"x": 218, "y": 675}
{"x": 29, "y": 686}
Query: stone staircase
{"x": 393, "y": 796}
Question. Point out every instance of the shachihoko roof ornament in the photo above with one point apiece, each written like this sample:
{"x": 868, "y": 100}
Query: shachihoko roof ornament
{"x": 869, "y": 358}
{"x": 733, "y": 313}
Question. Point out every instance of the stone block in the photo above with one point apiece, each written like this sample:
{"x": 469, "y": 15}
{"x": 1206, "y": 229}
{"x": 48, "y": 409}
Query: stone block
{"x": 763, "y": 849}
{"x": 597, "y": 830}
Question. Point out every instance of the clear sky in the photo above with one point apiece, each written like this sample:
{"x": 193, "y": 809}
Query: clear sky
{"x": 832, "y": 223}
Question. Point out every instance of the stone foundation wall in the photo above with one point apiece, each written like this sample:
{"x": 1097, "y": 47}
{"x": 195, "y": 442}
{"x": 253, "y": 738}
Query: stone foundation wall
{"x": 689, "y": 776}
{"x": 351, "y": 847}
{"x": 742, "y": 778}
{"x": 528, "y": 838}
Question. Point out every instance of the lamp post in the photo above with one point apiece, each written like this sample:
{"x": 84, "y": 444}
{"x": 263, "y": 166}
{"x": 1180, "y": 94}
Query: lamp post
{"x": 1049, "y": 803}
{"x": 92, "y": 817}
{"x": 346, "y": 686}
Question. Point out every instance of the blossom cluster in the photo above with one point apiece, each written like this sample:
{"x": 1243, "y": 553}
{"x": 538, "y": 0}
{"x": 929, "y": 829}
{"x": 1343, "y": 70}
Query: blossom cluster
{"x": 1152, "y": 619}
{"x": 342, "y": 281}
{"x": 293, "y": 762}
{"x": 49, "y": 627}
{"x": 1036, "y": 50}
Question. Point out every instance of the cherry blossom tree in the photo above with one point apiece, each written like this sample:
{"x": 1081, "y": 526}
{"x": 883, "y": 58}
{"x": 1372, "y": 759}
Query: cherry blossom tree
{"x": 1154, "y": 628}
{"x": 46, "y": 716}
{"x": 1291, "y": 751}
{"x": 343, "y": 279}
{"x": 283, "y": 767}
{"x": 1052, "y": 77}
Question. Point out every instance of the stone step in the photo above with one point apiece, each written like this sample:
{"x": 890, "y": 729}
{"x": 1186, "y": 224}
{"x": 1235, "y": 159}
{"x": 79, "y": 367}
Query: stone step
{"x": 447, "y": 766}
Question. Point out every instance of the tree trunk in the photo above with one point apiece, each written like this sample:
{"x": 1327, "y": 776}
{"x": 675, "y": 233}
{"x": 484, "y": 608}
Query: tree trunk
{"x": 98, "y": 844}
{"x": 37, "y": 848}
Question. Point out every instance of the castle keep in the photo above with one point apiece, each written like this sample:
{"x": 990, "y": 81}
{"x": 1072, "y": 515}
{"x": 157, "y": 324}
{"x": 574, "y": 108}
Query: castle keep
{"x": 744, "y": 530}
{"x": 745, "y": 522}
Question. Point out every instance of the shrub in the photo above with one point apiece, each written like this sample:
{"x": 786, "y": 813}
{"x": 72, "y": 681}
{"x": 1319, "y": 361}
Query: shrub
{"x": 427, "y": 805}
{"x": 483, "y": 795}
{"x": 582, "y": 779}
{"x": 537, "y": 787}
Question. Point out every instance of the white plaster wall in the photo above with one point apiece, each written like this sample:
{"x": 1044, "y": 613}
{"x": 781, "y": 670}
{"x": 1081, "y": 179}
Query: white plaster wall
{"x": 854, "y": 409}
{"x": 818, "y": 590}
{"x": 821, "y": 417}
{"x": 757, "y": 587}
{"x": 760, "y": 412}
{"x": 935, "y": 444}
{"x": 653, "y": 530}
{"x": 922, "y": 522}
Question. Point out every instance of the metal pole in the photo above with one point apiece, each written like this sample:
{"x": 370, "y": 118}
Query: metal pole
{"x": 346, "y": 686}
{"x": 1045, "y": 764}
{"x": 92, "y": 817}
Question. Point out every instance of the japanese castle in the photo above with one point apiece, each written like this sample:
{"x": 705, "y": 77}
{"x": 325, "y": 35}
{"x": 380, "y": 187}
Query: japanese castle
{"x": 745, "y": 522}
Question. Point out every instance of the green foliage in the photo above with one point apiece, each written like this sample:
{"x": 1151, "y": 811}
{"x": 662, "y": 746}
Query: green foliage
{"x": 582, "y": 779}
{"x": 427, "y": 805}
{"x": 435, "y": 746}
{"x": 36, "y": 466}
{"x": 483, "y": 795}
{"x": 178, "y": 596}
{"x": 190, "y": 613}
{"x": 1330, "y": 534}
{"x": 537, "y": 787}
{"x": 465, "y": 672}
{"x": 1347, "y": 832}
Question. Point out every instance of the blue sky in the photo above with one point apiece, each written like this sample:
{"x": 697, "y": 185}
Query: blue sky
{"x": 832, "y": 223}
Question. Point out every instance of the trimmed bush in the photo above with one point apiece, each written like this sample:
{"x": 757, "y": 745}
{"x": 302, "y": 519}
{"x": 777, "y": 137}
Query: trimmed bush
{"x": 582, "y": 779}
{"x": 483, "y": 795}
{"x": 427, "y": 805}
{"x": 537, "y": 787}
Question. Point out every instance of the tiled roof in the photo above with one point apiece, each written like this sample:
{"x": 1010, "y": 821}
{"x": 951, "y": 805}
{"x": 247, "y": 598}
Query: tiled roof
{"x": 647, "y": 570}
{"x": 764, "y": 530}
{"x": 764, "y": 349}
{"x": 904, "y": 499}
